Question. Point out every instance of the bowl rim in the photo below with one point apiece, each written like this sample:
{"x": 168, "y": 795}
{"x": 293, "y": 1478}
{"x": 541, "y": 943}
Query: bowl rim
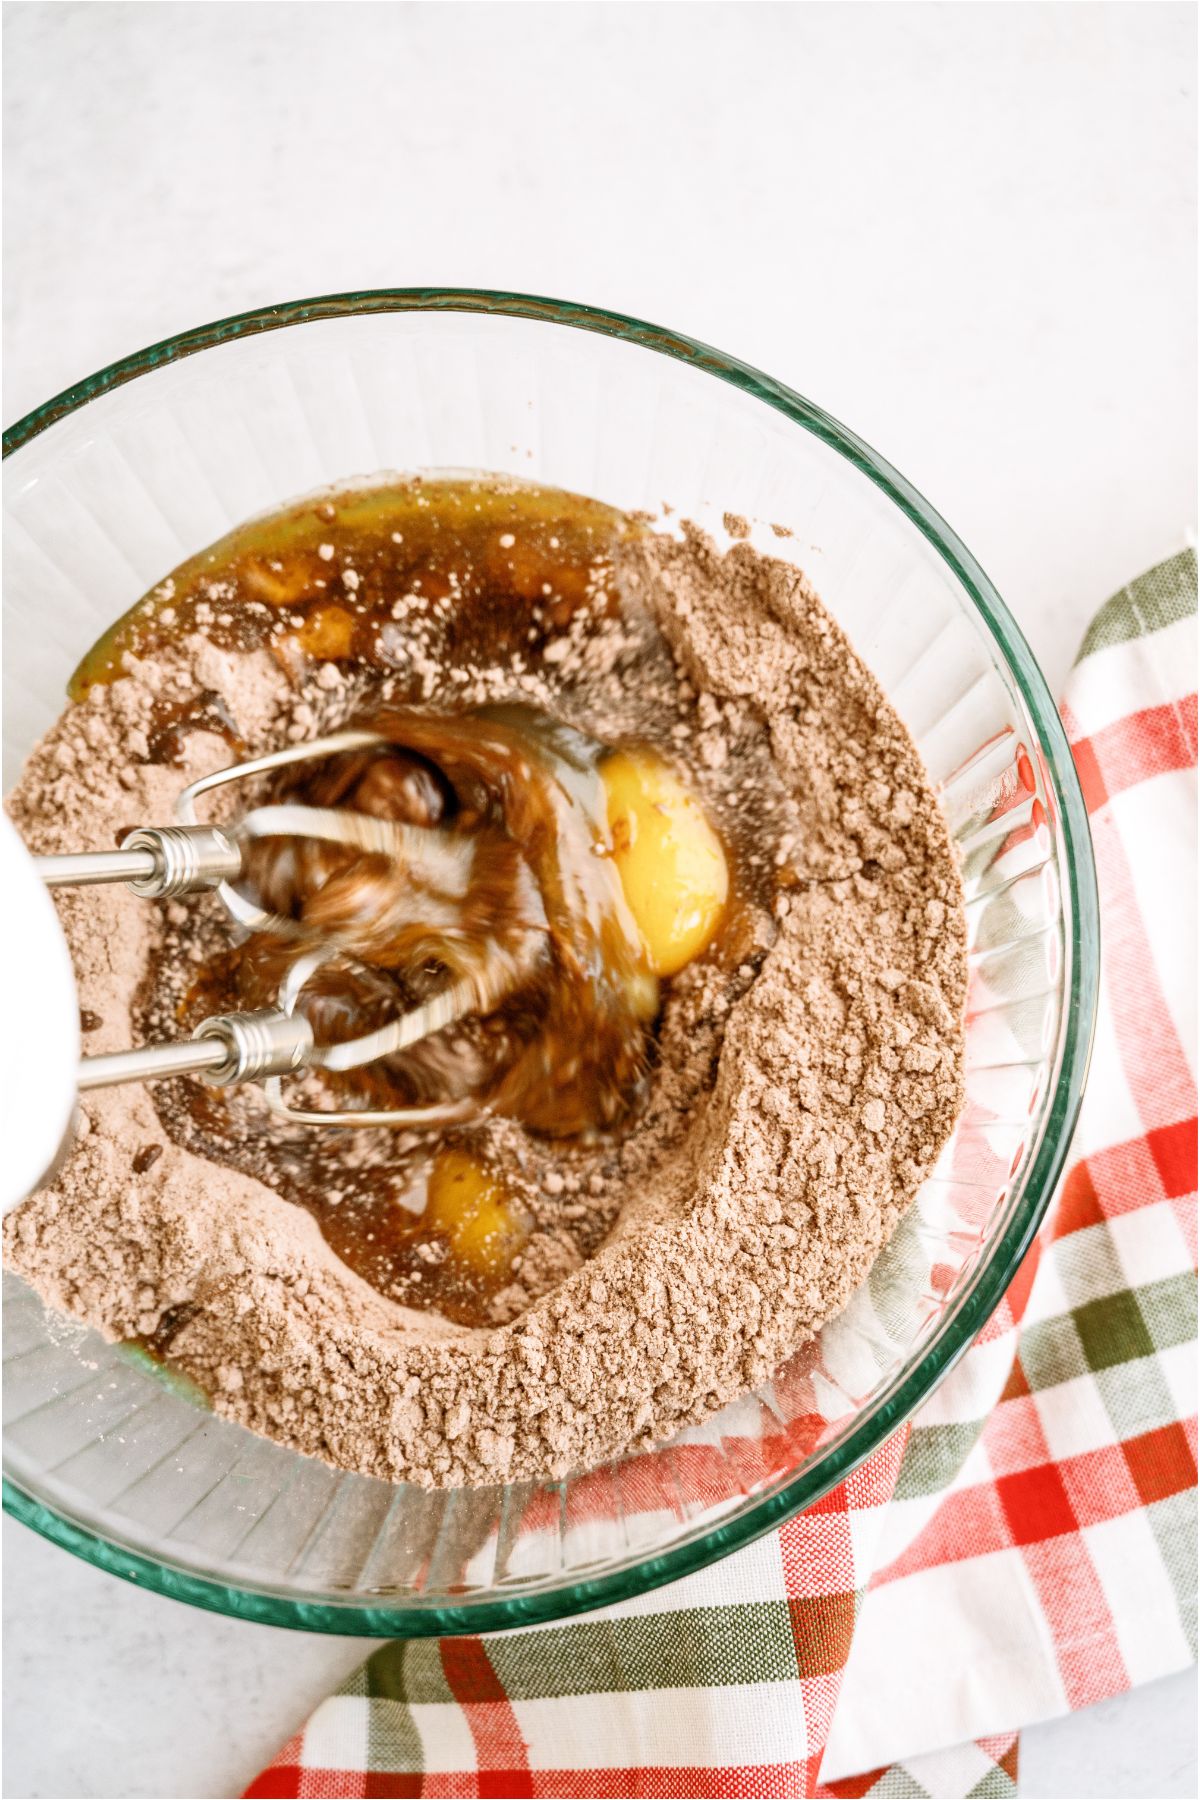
{"x": 961, "y": 1323}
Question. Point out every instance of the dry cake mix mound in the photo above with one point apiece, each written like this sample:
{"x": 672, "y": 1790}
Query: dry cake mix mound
{"x": 681, "y": 851}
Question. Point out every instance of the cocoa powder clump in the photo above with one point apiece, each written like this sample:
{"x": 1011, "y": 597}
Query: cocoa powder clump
{"x": 793, "y": 1114}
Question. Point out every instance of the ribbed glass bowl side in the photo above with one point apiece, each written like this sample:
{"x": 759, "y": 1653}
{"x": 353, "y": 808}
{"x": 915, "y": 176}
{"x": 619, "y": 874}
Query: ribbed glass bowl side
{"x": 111, "y": 485}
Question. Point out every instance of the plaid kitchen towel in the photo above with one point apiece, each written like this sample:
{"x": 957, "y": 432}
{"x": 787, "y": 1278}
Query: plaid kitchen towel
{"x": 1026, "y": 1547}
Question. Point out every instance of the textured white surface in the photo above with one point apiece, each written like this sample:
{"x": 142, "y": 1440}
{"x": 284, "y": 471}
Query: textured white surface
{"x": 115, "y": 1693}
{"x": 968, "y": 232}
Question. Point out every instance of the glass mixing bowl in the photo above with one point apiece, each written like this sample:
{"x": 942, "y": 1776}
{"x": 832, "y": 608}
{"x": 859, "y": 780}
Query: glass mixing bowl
{"x": 116, "y": 481}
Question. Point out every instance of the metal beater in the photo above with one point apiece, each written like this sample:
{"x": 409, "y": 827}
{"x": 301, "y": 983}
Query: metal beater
{"x": 191, "y": 856}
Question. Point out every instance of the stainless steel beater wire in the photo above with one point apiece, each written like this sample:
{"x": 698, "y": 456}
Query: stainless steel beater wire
{"x": 435, "y": 856}
{"x": 445, "y": 1113}
{"x": 414, "y": 1118}
{"x": 185, "y": 805}
{"x": 433, "y": 1015}
{"x": 242, "y": 911}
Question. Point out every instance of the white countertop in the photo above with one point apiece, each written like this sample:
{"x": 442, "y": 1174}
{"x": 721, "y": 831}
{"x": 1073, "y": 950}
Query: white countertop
{"x": 967, "y": 231}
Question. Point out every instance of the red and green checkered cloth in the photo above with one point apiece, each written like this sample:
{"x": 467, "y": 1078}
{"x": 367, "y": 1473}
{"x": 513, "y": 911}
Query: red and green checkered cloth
{"x": 1025, "y": 1547}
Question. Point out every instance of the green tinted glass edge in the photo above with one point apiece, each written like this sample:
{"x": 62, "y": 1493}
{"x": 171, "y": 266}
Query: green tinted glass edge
{"x": 974, "y": 1307}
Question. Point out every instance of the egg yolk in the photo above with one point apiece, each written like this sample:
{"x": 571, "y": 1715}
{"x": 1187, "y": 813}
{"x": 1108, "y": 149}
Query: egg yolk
{"x": 471, "y": 1206}
{"x": 670, "y": 860}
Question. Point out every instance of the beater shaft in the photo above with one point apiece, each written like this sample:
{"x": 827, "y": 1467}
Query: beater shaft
{"x": 227, "y": 1049}
{"x": 158, "y": 861}
{"x": 150, "y": 1062}
{"x": 89, "y": 868}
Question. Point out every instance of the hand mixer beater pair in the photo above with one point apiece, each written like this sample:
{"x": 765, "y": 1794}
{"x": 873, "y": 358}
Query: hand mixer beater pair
{"x": 227, "y": 1049}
